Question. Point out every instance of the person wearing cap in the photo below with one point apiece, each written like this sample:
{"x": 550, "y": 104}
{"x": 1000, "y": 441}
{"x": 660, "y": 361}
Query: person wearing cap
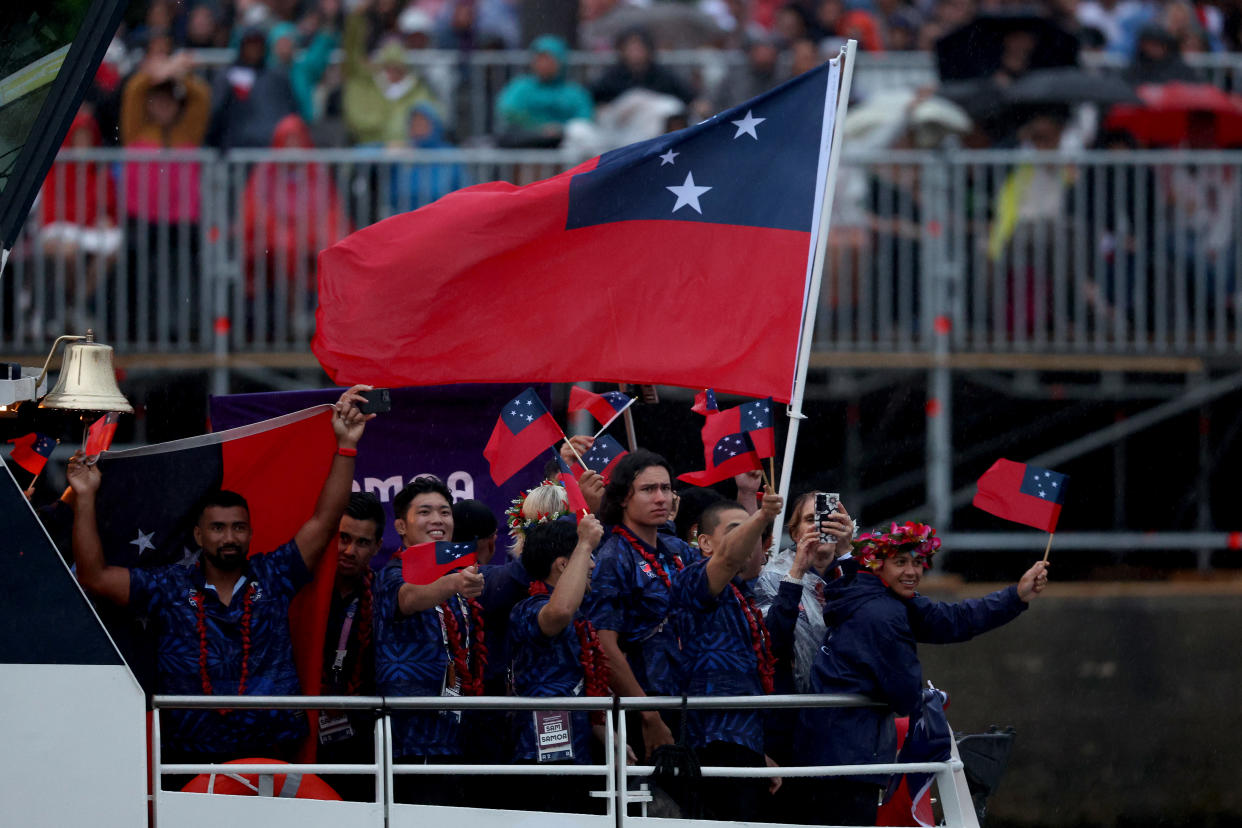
{"x": 379, "y": 93}
{"x": 538, "y": 104}
{"x": 875, "y": 616}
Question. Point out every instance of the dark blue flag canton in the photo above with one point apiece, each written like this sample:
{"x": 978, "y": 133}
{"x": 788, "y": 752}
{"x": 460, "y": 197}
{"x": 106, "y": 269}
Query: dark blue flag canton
{"x": 616, "y": 399}
{"x": 43, "y": 445}
{"x": 1044, "y": 484}
{"x": 447, "y": 551}
{"x": 522, "y": 410}
{"x": 731, "y": 445}
{"x": 709, "y": 400}
{"x": 757, "y": 415}
{"x": 560, "y": 462}
{"x": 752, "y": 165}
{"x": 603, "y": 452}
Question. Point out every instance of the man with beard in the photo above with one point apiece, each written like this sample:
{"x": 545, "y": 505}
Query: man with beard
{"x": 222, "y": 626}
{"x": 348, "y": 649}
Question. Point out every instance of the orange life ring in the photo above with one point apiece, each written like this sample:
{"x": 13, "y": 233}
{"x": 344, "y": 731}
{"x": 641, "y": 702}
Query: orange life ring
{"x": 309, "y": 786}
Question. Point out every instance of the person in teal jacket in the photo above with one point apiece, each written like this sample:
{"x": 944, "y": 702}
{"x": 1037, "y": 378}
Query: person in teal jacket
{"x": 305, "y": 69}
{"x": 538, "y": 104}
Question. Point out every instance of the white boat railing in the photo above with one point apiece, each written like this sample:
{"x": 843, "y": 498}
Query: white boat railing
{"x": 617, "y": 793}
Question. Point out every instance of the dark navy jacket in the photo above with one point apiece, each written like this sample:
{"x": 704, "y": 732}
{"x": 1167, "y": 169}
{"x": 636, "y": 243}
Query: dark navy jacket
{"x": 871, "y": 650}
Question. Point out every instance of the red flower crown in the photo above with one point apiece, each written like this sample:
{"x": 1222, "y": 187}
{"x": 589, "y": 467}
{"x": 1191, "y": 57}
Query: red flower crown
{"x": 917, "y": 539}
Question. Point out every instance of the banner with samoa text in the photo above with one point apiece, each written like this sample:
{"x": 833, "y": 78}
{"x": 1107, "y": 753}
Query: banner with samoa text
{"x": 438, "y": 430}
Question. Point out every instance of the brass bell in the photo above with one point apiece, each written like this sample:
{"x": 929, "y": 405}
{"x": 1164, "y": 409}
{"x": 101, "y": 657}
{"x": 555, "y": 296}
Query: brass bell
{"x": 87, "y": 379}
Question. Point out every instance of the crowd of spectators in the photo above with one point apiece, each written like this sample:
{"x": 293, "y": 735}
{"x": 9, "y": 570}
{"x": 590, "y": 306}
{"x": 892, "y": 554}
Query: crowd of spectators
{"x": 344, "y": 66}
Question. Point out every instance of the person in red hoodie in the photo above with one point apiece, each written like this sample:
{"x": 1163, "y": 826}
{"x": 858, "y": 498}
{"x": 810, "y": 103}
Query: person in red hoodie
{"x": 77, "y": 210}
{"x": 290, "y": 211}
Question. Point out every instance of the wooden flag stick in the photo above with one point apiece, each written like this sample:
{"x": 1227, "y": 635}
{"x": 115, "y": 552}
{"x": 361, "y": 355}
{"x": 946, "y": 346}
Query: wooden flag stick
{"x": 1048, "y": 548}
{"x": 772, "y": 471}
{"x": 575, "y": 451}
{"x": 767, "y": 481}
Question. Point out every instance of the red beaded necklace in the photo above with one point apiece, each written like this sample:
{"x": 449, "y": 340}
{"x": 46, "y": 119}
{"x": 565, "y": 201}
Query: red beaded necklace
{"x": 200, "y": 611}
{"x": 651, "y": 559}
{"x": 591, "y": 655}
{"x": 466, "y": 647}
{"x": 760, "y": 640}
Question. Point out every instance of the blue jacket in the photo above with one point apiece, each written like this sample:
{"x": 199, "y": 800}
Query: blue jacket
{"x": 870, "y": 649}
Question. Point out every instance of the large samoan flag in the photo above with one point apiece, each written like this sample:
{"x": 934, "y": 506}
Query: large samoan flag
{"x": 1022, "y": 493}
{"x": 147, "y": 496}
{"x": 720, "y": 218}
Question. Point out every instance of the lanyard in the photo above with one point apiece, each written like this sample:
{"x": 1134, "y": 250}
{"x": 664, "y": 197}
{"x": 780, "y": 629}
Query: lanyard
{"x": 338, "y": 663}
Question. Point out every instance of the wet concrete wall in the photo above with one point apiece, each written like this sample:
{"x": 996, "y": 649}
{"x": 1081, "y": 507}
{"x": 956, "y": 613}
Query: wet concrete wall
{"x": 1126, "y": 700}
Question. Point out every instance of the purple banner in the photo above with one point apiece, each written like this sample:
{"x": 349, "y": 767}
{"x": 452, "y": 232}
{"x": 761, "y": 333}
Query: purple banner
{"x": 438, "y": 430}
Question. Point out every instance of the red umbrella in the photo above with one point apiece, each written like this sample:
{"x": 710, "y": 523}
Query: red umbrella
{"x": 1165, "y": 117}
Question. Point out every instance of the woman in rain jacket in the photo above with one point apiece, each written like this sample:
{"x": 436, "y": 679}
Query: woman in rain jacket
{"x": 875, "y": 616}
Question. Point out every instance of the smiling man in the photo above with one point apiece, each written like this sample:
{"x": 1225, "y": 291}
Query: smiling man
{"x": 874, "y": 616}
{"x": 427, "y": 643}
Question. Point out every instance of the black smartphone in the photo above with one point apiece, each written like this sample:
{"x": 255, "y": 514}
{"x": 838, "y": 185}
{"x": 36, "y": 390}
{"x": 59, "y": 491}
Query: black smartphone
{"x": 825, "y": 504}
{"x": 378, "y": 401}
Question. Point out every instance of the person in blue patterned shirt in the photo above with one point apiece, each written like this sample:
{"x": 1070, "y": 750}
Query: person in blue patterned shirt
{"x": 635, "y": 569}
{"x": 223, "y": 625}
{"x": 427, "y": 643}
{"x": 726, "y": 651}
{"x": 555, "y": 651}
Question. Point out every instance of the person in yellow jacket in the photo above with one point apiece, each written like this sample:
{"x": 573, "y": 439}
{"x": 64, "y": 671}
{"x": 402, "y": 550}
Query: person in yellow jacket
{"x": 379, "y": 93}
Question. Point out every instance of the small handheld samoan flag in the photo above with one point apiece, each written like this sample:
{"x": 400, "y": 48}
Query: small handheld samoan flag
{"x": 727, "y": 448}
{"x": 424, "y": 563}
{"x": 756, "y": 419}
{"x": 31, "y": 451}
{"x": 604, "y": 407}
{"x": 603, "y": 455}
{"x": 99, "y": 435}
{"x": 577, "y": 501}
{"x": 525, "y": 429}
{"x": 705, "y": 403}
{"x": 1022, "y": 493}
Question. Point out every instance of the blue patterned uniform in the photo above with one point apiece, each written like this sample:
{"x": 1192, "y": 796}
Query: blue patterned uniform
{"x": 411, "y": 659}
{"x": 717, "y": 658}
{"x": 165, "y": 593}
{"x": 629, "y": 598}
{"x": 545, "y": 667}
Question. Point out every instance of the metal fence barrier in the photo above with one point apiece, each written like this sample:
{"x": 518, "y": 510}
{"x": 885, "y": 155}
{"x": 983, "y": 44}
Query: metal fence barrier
{"x": 1087, "y": 253}
{"x": 615, "y": 773}
{"x": 467, "y": 84}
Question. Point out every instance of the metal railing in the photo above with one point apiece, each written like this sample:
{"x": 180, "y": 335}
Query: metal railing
{"x": 467, "y": 83}
{"x": 984, "y": 252}
{"x": 615, "y": 773}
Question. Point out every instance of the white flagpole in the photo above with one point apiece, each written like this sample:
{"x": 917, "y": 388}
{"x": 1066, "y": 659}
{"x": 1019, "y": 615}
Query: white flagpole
{"x": 794, "y": 410}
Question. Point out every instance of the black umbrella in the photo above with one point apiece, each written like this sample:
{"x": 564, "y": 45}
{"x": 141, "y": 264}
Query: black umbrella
{"x": 975, "y": 49}
{"x": 1070, "y": 85}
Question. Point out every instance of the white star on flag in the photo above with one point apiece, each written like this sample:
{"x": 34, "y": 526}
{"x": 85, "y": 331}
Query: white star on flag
{"x": 667, "y": 158}
{"x": 189, "y": 557}
{"x": 143, "y": 542}
{"x": 529, "y": 419}
{"x": 1042, "y": 493}
{"x": 747, "y": 125}
{"x": 688, "y": 194}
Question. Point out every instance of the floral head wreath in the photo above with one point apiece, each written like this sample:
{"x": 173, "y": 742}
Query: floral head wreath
{"x": 519, "y": 523}
{"x": 916, "y": 539}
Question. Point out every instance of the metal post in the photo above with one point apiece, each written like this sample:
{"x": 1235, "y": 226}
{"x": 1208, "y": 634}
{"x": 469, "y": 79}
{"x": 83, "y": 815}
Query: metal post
{"x": 1203, "y": 492}
{"x": 214, "y": 265}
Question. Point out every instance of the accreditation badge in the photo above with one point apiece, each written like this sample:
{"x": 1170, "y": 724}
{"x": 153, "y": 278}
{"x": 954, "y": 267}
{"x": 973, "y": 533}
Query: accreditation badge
{"x": 334, "y": 727}
{"x": 554, "y": 735}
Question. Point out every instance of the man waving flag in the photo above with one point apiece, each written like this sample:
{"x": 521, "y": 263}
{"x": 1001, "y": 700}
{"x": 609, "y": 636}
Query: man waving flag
{"x": 723, "y": 214}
